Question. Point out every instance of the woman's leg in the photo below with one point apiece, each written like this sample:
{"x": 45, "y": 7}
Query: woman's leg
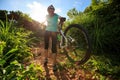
{"x": 54, "y": 48}
{"x": 46, "y": 42}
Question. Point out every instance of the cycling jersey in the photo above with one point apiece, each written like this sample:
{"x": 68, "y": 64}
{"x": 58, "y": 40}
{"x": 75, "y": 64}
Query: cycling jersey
{"x": 52, "y": 23}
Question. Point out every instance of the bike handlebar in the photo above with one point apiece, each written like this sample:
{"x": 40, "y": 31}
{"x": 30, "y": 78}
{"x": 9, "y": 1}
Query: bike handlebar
{"x": 62, "y": 19}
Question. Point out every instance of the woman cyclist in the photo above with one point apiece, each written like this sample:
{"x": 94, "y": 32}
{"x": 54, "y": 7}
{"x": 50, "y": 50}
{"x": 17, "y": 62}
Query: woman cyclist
{"x": 51, "y": 32}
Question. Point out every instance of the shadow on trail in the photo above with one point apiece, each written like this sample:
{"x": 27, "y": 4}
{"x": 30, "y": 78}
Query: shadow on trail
{"x": 59, "y": 74}
{"x": 47, "y": 73}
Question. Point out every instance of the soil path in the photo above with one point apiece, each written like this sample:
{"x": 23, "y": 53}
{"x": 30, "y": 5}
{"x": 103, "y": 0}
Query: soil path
{"x": 61, "y": 74}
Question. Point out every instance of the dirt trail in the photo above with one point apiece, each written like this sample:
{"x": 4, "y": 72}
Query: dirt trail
{"x": 61, "y": 74}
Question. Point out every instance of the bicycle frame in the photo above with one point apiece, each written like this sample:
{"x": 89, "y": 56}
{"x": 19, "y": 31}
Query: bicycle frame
{"x": 61, "y": 41}
{"x": 64, "y": 37}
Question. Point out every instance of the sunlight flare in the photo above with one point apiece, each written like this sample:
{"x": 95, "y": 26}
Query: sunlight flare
{"x": 37, "y": 11}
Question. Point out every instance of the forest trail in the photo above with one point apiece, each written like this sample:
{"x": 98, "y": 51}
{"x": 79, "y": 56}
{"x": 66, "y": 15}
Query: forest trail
{"x": 63, "y": 73}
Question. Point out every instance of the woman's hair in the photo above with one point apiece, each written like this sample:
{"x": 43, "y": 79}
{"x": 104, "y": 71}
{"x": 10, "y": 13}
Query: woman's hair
{"x": 50, "y": 7}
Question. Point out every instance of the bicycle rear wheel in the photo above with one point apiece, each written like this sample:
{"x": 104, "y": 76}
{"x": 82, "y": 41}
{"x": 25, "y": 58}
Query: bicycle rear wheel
{"x": 78, "y": 44}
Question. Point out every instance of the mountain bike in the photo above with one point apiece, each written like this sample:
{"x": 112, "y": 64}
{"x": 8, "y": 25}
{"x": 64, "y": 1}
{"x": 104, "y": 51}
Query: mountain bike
{"x": 74, "y": 42}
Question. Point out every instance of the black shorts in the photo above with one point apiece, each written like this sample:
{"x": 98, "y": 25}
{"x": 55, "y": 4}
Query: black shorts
{"x": 53, "y": 36}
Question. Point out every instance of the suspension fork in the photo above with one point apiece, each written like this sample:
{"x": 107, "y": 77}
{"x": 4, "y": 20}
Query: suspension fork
{"x": 61, "y": 41}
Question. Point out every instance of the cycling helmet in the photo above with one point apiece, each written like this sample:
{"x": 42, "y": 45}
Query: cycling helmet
{"x": 51, "y": 7}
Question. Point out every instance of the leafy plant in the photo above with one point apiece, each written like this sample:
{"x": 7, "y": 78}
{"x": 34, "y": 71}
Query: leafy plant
{"x": 14, "y": 51}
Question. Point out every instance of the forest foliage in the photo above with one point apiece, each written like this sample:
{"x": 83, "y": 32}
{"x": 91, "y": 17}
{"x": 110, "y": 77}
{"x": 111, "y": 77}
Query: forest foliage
{"x": 101, "y": 19}
{"x": 16, "y": 37}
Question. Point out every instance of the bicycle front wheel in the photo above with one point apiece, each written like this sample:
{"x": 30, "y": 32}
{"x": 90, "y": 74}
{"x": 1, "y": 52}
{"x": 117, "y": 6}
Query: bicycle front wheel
{"x": 78, "y": 44}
